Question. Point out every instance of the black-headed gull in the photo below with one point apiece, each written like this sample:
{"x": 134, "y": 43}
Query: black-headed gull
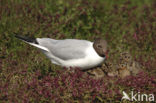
{"x": 82, "y": 54}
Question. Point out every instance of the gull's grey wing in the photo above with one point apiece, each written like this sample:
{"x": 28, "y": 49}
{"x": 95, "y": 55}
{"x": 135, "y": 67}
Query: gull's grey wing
{"x": 65, "y": 49}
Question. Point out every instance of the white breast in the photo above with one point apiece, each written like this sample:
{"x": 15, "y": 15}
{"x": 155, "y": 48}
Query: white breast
{"x": 91, "y": 60}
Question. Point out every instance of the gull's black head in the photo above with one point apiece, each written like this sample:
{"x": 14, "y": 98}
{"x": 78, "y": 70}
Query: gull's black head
{"x": 100, "y": 47}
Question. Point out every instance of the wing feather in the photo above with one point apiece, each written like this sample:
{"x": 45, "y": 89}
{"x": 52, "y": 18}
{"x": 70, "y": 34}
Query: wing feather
{"x": 65, "y": 49}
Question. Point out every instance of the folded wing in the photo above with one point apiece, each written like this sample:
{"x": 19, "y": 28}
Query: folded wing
{"x": 65, "y": 49}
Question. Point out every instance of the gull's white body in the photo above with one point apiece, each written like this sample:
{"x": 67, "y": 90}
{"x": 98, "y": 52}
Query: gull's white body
{"x": 72, "y": 53}
{"x": 92, "y": 59}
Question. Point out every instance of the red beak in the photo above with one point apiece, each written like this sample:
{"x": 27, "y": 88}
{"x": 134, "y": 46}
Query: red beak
{"x": 106, "y": 54}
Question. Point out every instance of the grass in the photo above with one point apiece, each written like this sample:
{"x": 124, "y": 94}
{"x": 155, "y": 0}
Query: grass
{"x": 26, "y": 75}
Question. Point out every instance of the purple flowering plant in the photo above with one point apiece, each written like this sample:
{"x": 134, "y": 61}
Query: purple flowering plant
{"x": 26, "y": 76}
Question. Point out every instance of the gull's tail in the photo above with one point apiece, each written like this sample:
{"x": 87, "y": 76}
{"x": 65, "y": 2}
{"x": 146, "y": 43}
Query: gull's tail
{"x": 27, "y": 39}
{"x": 32, "y": 41}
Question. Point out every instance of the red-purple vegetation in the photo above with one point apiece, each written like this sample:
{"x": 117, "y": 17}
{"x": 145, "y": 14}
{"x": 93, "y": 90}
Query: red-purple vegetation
{"x": 26, "y": 76}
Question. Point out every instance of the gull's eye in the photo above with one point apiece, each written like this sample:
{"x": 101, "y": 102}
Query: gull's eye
{"x": 99, "y": 46}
